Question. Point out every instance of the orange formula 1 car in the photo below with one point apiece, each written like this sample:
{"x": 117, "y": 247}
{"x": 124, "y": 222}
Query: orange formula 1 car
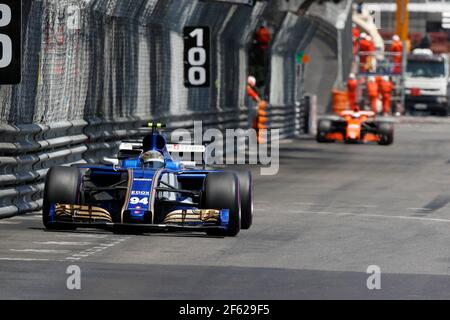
{"x": 354, "y": 127}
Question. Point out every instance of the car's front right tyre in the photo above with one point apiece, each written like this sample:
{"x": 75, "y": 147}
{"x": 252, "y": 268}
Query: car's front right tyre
{"x": 323, "y": 128}
{"x": 62, "y": 186}
{"x": 386, "y": 133}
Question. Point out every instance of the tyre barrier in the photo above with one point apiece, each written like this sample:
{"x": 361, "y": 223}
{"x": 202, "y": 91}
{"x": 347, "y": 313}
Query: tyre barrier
{"x": 340, "y": 101}
{"x": 27, "y": 152}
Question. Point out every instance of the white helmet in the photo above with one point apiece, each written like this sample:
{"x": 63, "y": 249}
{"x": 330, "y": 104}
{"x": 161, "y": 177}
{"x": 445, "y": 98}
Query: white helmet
{"x": 363, "y": 35}
{"x": 386, "y": 78}
{"x": 251, "y": 81}
{"x": 395, "y": 38}
{"x": 371, "y": 79}
{"x": 352, "y": 76}
{"x": 152, "y": 159}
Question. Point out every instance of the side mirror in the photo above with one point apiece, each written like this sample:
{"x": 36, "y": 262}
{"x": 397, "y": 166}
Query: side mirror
{"x": 114, "y": 162}
{"x": 188, "y": 164}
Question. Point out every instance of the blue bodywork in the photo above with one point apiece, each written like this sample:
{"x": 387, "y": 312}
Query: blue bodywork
{"x": 139, "y": 205}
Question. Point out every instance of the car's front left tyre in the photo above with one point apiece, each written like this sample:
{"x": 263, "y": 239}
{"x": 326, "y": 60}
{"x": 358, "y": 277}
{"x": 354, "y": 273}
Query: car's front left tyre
{"x": 221, "y": 191}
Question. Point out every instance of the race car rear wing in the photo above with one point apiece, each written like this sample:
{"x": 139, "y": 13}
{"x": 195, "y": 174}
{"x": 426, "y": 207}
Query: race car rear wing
{"x": 186, "y": 148}
{"x": 133, "y": 148}
{"x": 172, "y": 148}
{"x": 189, "y": 149}
{"x": 129, "y": 149}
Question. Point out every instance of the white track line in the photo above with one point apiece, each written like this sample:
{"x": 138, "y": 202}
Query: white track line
{"x": 366, "y": 215}
{"x": 97, "y": 249}
{"x": 64, "y": 243}
{"x": 10, "y": 222}
{"x": 81, "y": 235}
{"x": 21, "y": 259}
{"x": 27, "y": 218}
{"x": 79, "y": 255}
{"x": 307, "y": 204}
{"x": 40, "y": 251}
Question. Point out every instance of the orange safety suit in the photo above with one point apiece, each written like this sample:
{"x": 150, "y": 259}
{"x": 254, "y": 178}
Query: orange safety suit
{"x": 352, "y": 87}
{"x": 251, "y": 92}
{"x": 371, "y": 55}
{"x": 397, "y": 58}
{"x": 386, "y": 91}
{"x": 379, "y": 80}
{"x": 364, "y": 49}
{"x": 356, "y": 33}
{"x": 372, "y": 91}
{"x": 263, "y": 38}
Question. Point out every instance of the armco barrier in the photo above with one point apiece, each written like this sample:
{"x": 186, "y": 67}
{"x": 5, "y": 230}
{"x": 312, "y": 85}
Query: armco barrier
{"x": 26, "y": 154}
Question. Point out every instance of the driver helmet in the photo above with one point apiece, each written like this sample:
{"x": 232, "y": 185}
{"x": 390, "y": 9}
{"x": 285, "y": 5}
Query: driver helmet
{"x": 152, "y": 159}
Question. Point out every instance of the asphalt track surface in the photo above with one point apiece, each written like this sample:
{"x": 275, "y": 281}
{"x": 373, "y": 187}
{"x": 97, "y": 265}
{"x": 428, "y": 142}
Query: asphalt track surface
{"x": 331, "y": 212}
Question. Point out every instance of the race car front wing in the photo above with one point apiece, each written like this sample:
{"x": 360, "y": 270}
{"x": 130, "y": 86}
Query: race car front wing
{"x": 178, "y": 220}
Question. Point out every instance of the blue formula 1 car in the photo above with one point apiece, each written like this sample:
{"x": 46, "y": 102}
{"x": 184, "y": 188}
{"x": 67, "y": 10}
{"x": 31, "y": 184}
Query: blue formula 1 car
{"x": 145, "y": 188}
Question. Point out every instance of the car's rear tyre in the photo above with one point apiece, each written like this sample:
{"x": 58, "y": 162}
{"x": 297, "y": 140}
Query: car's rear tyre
{"x": 221, "y": 191}
{"x": 246, "y": 195}
{"x": 323, "y": 128}
{"x": 386, "y": 133}
{"x": 61, "y": 186}
{"x": 443, "y": 112}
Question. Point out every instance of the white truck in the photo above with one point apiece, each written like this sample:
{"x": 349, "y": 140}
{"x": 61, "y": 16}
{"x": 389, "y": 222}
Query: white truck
{"x": 427, "y": 83}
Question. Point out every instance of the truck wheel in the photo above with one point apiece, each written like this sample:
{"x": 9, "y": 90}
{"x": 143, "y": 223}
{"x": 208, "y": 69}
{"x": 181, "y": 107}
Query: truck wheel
{"x": 323, "y": 128}
{"x": 386, "y": 133}
{"x": 221, "y": 191}
{"x": 61, "y": 186}
{"x": 246, "y": 195}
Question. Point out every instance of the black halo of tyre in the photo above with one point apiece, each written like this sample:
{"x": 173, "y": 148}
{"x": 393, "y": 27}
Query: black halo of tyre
{"x": 386, "y": 133}
{"x": 323, "y": 128}
{"x": 246, "y": 195}
{"x": 221, "y": 191}
{"x": 62, "y": 186}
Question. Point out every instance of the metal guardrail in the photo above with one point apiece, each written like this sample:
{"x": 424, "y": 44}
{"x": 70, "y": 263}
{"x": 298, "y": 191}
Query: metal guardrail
{"x": 26, "y": 154}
